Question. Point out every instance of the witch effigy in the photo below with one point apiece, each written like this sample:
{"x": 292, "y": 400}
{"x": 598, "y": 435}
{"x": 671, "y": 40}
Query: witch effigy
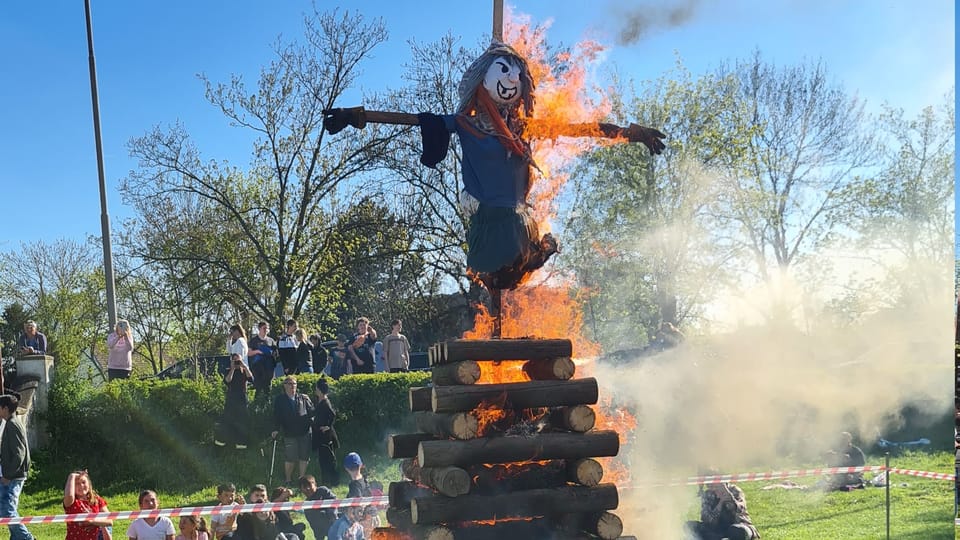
{"x": 496, "y": 105}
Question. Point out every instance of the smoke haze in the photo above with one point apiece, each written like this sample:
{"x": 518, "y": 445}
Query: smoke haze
{"x": 637, "y": 21}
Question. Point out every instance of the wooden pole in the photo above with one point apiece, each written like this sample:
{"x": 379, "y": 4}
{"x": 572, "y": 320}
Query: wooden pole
{"x": 511, "y": 449}
{"x": 498, "y": 20}
{"x": 534, "y": 502}
{"x": 524, "y": 395}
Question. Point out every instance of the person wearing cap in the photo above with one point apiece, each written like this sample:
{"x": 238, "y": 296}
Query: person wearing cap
{"x": 325, "y": 440}
{"x": 292, "y": 412}
{"x": 358, "y": 487}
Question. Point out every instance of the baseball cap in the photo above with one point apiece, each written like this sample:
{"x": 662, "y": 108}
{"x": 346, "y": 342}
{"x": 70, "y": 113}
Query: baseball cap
{"x": 352, "y": 461}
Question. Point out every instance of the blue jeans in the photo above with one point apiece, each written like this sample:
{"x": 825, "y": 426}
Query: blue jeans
{"x": 9, "y": 500}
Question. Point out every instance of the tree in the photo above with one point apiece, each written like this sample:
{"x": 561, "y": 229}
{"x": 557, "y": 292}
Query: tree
{"x": 259, "y": 240}
{"x": 640, "y": 231}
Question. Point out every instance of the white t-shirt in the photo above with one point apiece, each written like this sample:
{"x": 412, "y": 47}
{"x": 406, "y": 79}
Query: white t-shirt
{"x": 140, "y": 530}
{"x": 218, "y": 523}
{"x": 238, "y": 347}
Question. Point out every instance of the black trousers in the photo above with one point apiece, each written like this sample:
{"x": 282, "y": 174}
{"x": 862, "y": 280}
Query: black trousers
{"x": 329, "y": 472}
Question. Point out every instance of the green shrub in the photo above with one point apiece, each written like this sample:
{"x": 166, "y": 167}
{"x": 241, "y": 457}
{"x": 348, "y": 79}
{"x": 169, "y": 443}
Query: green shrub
{"x": 159, "y": 433}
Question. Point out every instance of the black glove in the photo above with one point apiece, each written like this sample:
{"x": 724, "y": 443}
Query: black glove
{"x": 650, "y": 137}
{"x": 334, "y": 120}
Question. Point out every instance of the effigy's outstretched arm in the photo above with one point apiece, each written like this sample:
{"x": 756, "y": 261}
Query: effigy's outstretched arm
{"x": 650, "y": 137}
{"x": 334, "y": 120}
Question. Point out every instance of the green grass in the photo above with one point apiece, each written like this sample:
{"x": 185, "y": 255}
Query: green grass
{"x": 922, "y": 509}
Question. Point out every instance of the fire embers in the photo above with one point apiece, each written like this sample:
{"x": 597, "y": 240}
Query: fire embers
{"x": 505, "y": 449}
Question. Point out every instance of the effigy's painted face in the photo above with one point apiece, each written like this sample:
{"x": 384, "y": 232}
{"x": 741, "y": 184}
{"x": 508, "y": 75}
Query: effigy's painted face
{"x": 502, "y": 80}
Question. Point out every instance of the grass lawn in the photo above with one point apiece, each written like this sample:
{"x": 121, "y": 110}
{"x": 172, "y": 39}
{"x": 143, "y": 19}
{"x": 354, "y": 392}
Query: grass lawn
{"x": 920, "y": 509}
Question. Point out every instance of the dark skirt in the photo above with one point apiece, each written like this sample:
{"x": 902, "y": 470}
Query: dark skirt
{"x": 497, "y": 238}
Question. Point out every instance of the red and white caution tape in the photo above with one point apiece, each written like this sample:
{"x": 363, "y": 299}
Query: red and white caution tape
{"x": 198, "y": 510}
{"x": 924, "y": 474}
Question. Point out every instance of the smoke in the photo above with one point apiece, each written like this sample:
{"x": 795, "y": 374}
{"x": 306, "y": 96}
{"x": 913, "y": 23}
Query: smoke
{"x": 772, "y": 392}
{"x": 635, "y": 22}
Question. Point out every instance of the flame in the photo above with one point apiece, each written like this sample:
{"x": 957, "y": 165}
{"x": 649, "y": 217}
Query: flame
{"x": 384, "y": 533}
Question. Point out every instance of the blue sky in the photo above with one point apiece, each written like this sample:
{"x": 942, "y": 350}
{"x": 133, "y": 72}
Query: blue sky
{"x": 149, "y": 53}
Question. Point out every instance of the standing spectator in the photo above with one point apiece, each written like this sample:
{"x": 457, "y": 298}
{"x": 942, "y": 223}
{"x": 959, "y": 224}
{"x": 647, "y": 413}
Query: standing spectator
{"x": 261, "y": 359}
{"x": 120, "y": 344}
{"x": 304, "y": 352}
{"x": 361, "y": 347}
{"x": 292, "y": 412}
{"x": 193, "y": 528}
{"x": 319, "y": 355}
{"x": 158, "y": 528}
{"x": 359, "y": 485}
{"x": 396, "y": 348}
{"x": 79, "y": 497}
{"x": 234, "y": 424}
{"x": 224, "y": 525}
{"x": 378, "y": 359}
{"x": 287, "y": 349}
{"x": 319, "y": 519}
{"x": 237, "y": 343}
{"x": 14, "y": 463}
{"x": 31, "y": 341}
{"x": 325, "y": 439}
{"x": 340, "y": 362}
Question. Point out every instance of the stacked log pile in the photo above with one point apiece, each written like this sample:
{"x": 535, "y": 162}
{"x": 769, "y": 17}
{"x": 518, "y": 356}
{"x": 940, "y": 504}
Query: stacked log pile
{"x": 503, "y": 460}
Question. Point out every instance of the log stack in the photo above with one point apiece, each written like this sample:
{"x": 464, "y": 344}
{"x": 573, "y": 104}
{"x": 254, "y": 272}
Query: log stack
{"x": 500, "y": 460}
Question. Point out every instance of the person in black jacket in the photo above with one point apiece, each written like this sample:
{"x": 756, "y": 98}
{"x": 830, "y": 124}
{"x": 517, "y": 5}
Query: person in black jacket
{"x": 292, "y": 412}
{"x": 325, "y": 440}
{"x": 14, "y": 462}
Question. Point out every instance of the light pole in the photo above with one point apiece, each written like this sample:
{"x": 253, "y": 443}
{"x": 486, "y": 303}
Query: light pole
{"x": 104, "y": 216}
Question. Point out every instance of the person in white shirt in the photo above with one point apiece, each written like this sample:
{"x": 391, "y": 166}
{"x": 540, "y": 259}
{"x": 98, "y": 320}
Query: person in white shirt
{"x": 159, "y": 528}
{"x": 237, "y": 343}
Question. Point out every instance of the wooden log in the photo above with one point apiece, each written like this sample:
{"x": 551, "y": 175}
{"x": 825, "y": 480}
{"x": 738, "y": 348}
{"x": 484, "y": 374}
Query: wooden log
{"x": 420, "y": 397}
{"x": 461, "y": 425}
{"x": 522, "y": 395}
{"x": 449, "y": 481}
{"x": 578, "y": 418}
{"x": 542, "y": 446}
{"x": 491, "y": 479}
{"x": 399, "y": 494}
{"x": 464, "y": 372}
{"x": 410, "y": 469}
{"x": 399, "y": 518}
{"x": 605, "y": 525}
{"x": 584, "y": 471}
{"x": 404, "y": 445}
{"x": 530, "y": 503}
{"x": 504, "y": 349}
{"x": 550, "y": 369}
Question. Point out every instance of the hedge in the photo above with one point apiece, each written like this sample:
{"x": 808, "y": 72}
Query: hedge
{"x": 159, "y": 433}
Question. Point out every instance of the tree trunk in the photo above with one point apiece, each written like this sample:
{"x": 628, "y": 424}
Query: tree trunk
{"x": 605, "y": 525}
{"x": 523, "y": 395}
{"x": 464, "y": 372}
{"x": 405, "y": 445}
{"x": 420, "y": 398}
{"x": 459, "y": 425}
{"x": 550, "y": 369}
{"x": 504, "y": 349}
{"x": 536, "y": 502}
{"x": 510, "y": 449}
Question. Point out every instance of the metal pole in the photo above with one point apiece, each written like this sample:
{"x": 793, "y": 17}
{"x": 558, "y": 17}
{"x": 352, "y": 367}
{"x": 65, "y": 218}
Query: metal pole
{"x": 104, "y": 217}
{"x": 498, "y": 20}
{"x": 887, "y": 468}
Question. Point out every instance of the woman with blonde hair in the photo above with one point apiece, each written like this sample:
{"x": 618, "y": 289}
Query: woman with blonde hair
{"x": 120, "y": 344}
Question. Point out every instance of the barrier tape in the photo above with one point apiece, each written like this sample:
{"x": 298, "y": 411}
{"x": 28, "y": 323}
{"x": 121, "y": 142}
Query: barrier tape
{"x": 924, "y": 474}
{"x": 779, "y": 475}
{"x": 197, "y": 510}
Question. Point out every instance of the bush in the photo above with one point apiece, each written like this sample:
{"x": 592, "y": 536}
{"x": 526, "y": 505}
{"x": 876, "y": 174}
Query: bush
{"x": 159, "y": 433}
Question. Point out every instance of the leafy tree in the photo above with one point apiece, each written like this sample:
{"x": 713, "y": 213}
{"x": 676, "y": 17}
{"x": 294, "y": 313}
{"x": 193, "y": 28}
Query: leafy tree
{"x": 14, "y": 316}
{"x": 261, "y": 240}
{"x": 639, "y": 235}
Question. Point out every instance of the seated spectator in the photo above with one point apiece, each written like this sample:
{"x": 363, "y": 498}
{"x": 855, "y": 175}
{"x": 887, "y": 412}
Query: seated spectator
{"x": 347, "y": 526}
{"x": 319, "y": 519}
{"x": 31, "y": 341}
{"x": 225, "y": 525}
{"x": 369, "y": 520}
{"x": 158, "y": 528}
{"x": 845, "y": 455}
{"x": 193, "y": 528}
{"x": 260, "y": 525}
{"x": 340, "y": 363}
{"x": 285, "y": 523}
{"x": 79, "y": 497}
{"x": 723, "y": 515}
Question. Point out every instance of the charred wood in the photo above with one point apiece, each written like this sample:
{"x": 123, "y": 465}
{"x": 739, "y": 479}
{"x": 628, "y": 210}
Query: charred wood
{"x": 404, "y": 445}
{"x": 542, "y": 446}
{"x": 420, "y": 397}
{"x": 504, "y": 349}
{"x": 550, "y": 369}
{"x": 523, "y": 395}
{"x": 461, "y": 425}
{"x": 464, "y": 372}
{"x": 399, "y": 494}
{"x": 605, "y": 525}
